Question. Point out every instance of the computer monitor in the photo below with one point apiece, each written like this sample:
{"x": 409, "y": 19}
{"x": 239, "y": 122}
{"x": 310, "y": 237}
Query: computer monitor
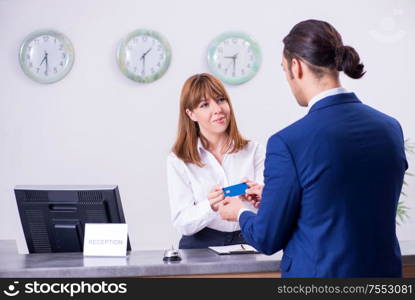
{"x": 53, "y": 217}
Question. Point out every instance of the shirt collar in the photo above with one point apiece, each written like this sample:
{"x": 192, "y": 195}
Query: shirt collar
{"x": 200, "y": 147}
{"x": 326, "y": 93}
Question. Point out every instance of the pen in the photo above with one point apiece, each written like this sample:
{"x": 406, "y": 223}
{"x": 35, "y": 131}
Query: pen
{"x": 242, "y": 246}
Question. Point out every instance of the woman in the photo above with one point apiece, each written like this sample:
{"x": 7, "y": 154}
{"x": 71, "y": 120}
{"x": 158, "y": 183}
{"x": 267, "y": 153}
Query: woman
{"x": 209, "y": 154}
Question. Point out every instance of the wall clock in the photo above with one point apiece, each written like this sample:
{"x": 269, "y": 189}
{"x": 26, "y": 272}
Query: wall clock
{"x": 234, "y": 57}
{"x": 46, "y": 56}
{"x": 144, "y": 56}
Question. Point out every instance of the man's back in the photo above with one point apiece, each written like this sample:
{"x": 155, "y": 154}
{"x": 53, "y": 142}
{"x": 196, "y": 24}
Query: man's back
{"x": 350, "y": 162}
{"x": 332, "y": 179}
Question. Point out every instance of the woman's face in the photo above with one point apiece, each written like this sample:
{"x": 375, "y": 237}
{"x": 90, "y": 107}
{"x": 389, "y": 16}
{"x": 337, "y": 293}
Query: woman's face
{"x": 212, "y": 115}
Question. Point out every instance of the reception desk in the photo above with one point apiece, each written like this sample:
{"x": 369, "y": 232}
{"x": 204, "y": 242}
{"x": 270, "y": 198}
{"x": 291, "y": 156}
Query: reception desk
{"x": 194, "y": 263}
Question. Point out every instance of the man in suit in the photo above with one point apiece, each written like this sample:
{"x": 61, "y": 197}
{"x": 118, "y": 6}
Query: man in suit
{"x": 333, "y": 178}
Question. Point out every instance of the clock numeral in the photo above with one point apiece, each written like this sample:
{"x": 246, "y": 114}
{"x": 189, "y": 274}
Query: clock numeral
{"x": 233, "y": 74}
{"x": 27, "y": 56}
{"x": 159, "y": 48}
{"x": 130, "y": 47}
{"x": 225, "y": 70}
{"x": 55, "y": 70}
{"x": 63, "y": 55}
{"x": 152, "y": 71}
{"x": 61, "y": 47}
{"x": 220, "y": 50}
{"x": 127, "y": 63}
{"x": 219, "y": 66}
{"x": 36, "y": 41}
{"x": 243, "y": 71}
{"x": 30, "y": 65}
{"x": 29, "y": 48}
{"x": 61, "y": 63}
{"x": 37, "y": 70}
{"x": 234, "y": 40}
{"x": 143, "y": 73}
{"x": 135, "y": 40}
{"x": 46, "y": 73}
{"x": 251, "y": 57}
{"x": 55, "y": 41}
{"x": 144, "y": 38}
{"x": 46, "y": 38}
{"x": 161, "y": 56}
{"x": 158, "y": 64}
{"x": 135, "y": 69}
{"x": 248, "y": 65}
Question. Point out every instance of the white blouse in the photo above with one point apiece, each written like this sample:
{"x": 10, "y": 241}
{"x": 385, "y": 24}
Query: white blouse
{"x": 189, "y": 186}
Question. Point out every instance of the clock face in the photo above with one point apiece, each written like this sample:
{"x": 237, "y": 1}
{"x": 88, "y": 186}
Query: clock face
{"x": 46, "y": 56}
{"x": 144, "y": 56}
{"x": 234, "y": 57}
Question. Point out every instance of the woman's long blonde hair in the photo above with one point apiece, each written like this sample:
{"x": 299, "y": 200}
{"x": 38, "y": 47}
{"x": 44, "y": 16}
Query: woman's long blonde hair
{"x": 196, "y": 88}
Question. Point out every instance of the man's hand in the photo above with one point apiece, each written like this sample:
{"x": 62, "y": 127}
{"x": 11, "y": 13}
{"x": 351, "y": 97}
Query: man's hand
{"x": 229, "y": 208}
{"x": 254, "y": 193}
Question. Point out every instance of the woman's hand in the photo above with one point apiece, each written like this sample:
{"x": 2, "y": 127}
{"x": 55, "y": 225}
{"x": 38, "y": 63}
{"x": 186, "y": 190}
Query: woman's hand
{"x": 254, "y": 193}
{"x": 216, "y": 196}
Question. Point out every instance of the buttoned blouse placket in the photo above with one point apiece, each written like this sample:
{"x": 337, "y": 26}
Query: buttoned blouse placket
{"x": 218, "y": 167}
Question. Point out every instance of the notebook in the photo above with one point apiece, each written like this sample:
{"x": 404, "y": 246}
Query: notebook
{"x": 234, "y": 249}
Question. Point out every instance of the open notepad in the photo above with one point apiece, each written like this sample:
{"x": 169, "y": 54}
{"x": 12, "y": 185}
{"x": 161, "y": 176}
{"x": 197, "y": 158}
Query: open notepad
{"x": 234, "y": 249}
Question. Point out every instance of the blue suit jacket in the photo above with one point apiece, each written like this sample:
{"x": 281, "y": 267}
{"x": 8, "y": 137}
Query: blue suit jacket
{"x": 332, "y": 184}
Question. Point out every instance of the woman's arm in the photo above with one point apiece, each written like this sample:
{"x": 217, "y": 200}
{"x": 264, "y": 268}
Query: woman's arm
{"x": 188, "y": 216}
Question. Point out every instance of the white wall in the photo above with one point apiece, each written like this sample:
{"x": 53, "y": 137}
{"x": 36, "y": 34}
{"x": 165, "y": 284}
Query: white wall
{"x": 98, "y": 127}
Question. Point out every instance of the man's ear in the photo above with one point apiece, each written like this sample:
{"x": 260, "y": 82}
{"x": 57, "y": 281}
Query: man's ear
{"x": 297, "y": 68}
{"x": 191, "y": 115}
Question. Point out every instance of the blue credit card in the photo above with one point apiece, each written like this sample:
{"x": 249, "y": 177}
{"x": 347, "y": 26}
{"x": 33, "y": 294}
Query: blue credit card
{"x": 235, "y": 190}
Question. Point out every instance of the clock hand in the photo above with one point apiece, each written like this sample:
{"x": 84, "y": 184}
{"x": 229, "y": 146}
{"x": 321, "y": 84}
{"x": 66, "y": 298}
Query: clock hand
{"x": 233, "y": 60}
{"x": 44, "y": 59}
{"x": 235, "y": 56}
{"x": 145, "y": 53}
{"x": 47, "y": 65}
{"x": 232, "y": 57}
{"x": 143, "y": 58}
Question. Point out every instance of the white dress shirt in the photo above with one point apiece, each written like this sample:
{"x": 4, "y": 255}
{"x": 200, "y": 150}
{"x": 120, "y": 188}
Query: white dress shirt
{"x": 189, "y": 186}
{"x": 318, "y": 97}
{"x": 326, "y": 93}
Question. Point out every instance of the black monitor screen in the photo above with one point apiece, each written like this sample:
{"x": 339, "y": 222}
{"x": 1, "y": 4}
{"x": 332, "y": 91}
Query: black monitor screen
{"x": 53, "y": 217}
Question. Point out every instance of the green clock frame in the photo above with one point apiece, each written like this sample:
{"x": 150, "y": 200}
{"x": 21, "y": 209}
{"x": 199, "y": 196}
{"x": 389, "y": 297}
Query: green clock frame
{"x": 255, "y": 50}
{"x": 67, "y": 44}
{"x": 121, "y": 55}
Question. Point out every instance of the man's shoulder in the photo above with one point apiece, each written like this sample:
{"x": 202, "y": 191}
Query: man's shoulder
{"x": 299, "y": 127}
